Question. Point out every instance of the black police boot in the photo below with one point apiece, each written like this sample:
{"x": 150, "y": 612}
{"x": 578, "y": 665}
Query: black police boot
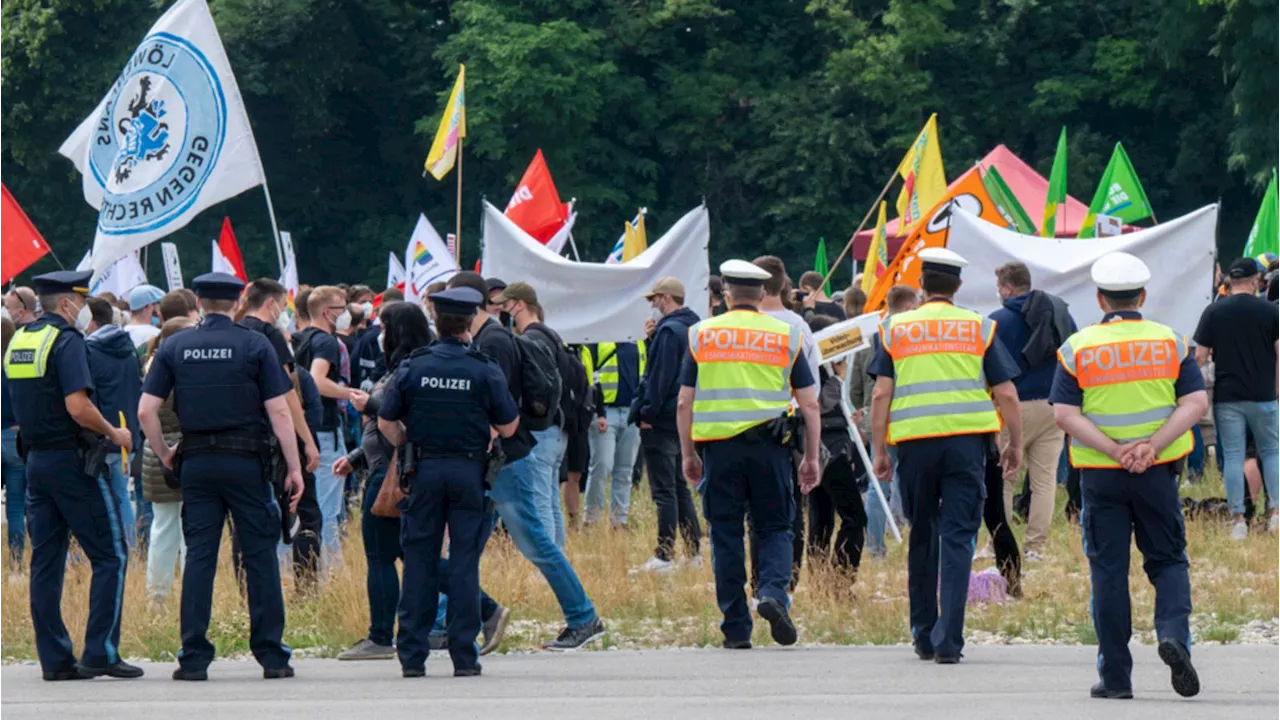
{"x": 737, "y": 644}
{"x": 1184, "y": 678}
{"x": 190, "y": 675}
{"x": 277, "y": 673}
{"x": 119, "y": 669}
{"x": 780, "y": 625}
{"x": 947, "y": 659}
{"x": 1101, "y": 692}
{"x": 923, "y": 654}
{"x": 473, "y": 671}
{"x": 72, "y": 673}
{"x": 414, "y": 672}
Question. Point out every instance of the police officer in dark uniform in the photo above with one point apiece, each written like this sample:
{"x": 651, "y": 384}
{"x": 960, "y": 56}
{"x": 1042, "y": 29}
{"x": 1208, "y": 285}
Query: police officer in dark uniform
{"x": 48, "y": 370}
{"x": 447, "y": 401}
{"x": 229, "y": 393}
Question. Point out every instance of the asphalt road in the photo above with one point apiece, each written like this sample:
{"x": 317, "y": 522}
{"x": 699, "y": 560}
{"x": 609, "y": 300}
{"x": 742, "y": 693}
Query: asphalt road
{"x": 1034, "y": 682}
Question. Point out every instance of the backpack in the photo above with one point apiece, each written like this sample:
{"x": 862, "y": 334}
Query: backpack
{"x": 540, "y": 378}
{"x": 312, "y": 407}
{"x": 303, "y": 354}
{"x": 574, "y": 386}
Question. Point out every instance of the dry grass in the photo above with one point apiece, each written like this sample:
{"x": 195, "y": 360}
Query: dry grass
{"x": 1233, "y": 584}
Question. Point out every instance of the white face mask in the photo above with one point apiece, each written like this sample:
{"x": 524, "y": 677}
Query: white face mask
{"x": 282, "y": 321}
{"x": 656, "y": 315}
{"x": 367, "y": 307}
{"x": 382, "y": 340}
{"x": 343, "y": 322}
{"x": 83, "y": 317}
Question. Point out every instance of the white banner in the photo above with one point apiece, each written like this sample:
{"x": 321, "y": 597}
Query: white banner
{"x": 172, "y": 268}
{"x": 1179, "y": 253}
{"x": 119, "y": 278}
{"x": 426, "y": 260}
{"x": 290, "y": 277}
{"x": 395, "y": 271}
{"x": 170, "y": 138}
{"x": 594, "y": 302}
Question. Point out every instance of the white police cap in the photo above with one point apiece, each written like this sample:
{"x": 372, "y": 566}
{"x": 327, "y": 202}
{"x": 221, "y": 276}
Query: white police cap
{"x": 942, "y": 260}
{"x": 1120, "y": 274}
{"x": 741, "y": 272}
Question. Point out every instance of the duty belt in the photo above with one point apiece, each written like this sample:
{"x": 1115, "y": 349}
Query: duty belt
{"x": 59, "y": 445}
{"x": 223, "y": 443}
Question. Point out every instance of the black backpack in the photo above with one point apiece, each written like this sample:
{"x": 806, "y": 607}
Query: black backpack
{"x": 575, "y": 388}
{"x": 540, "y": 380}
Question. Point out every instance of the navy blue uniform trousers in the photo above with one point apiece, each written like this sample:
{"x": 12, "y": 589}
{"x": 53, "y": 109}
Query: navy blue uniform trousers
{"x": 214, "y": 485}
{"x": 62, "y": 501}
{"x": 1117, "y": 505}
{"x": 748, "y": 479}
{"x": 943, "y": 490}
{"x": 444, "y": 492}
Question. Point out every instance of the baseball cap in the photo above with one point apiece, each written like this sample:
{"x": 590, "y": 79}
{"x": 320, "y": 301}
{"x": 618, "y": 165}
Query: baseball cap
{"x": 521, "y": 291}
{"x": 144, "y": 295}
{"x": 494, "y": 283}
{"x": 1243, "y": 268}
{"x": 666, "y": 286}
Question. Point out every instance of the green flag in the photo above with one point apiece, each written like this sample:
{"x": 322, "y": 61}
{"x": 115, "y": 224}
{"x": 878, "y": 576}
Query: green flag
{"x": 1057, "y": 196}
{"x": 1263, "y": 238}
{"x": 1007, "y": 203}
{"x": 820, "y": 264}
{"x": 1119, "y": 194}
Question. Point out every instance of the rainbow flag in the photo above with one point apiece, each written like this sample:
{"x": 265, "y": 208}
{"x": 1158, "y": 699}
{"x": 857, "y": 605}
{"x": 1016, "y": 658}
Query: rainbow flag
{"x": 453, "y": 127}
{"x": 420, "y": 254}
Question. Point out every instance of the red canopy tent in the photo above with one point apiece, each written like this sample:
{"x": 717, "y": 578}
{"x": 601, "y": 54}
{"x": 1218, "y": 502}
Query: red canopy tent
{"x": 1029, "y": 186}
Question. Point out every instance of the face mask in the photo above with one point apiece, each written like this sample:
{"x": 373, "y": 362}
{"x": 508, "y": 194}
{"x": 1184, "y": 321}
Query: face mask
{"x": 343, "y": 322}
{"x": 83, "y": 317}
{"x": 656, "y": 315}
{"x": 367, "y": 307}
{"x": 282, "y": 322}
{"x": 505, "y": 318}
{"x": 382, "y": 342}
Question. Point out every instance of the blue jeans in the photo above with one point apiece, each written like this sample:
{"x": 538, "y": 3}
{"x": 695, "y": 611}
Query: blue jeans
{"x": 330, "y": 491}
{"x": 119, "y": 482}
{"x": 381, "y": 537}
{"x": 613, "y": 455}
{"x": 546, "y": 458}
{"x": 1232, "y": 419}
{"x": 876, "y": 520}
{"x": 513, "y": 492}
{"x": 15, "y": 493}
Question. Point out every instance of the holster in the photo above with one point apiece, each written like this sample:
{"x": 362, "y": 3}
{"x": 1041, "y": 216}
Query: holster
{"x": 92, "y": 451}
{"x": 173, "y": 478}
{"x": 276, "y": 472}
{"x": 493, "y": 462}
{"x": 407, "y": 465}
{"x": 782, "y": 430}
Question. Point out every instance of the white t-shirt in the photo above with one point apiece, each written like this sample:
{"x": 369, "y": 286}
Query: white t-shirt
{"x": 141, "y": 334}
{"x": 808, "y": 344}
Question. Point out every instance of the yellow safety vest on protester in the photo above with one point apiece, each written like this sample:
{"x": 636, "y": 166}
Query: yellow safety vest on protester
{"x": 28, "y": 354}
{"x": 1127, "y": 370}
{"x": 744, "y": 372}
{"x": 607, "y": 373}
{"x": 939, "y": 387}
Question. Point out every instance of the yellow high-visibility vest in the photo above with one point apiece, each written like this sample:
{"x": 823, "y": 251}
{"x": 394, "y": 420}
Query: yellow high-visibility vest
{"x": 744, "y": 372}
{"x": 1127, "y": 370}
{"x": 939, "y": 387}
{"x": 607, "y": 373}
{"x": 28, "y": 355}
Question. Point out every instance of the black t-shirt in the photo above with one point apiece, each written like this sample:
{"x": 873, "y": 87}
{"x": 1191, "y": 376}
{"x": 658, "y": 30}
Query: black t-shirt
{"x": 835, "y": 310}
{"x": 275, "y": 337}
{"x": 497, "y": 343}
{"x": 312, "y": 344}
{"x": 1242, "y": 331}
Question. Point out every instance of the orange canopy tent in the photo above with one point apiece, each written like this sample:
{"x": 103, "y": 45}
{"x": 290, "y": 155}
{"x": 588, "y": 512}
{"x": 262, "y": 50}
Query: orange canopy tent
{"x": 1028, "y": 186}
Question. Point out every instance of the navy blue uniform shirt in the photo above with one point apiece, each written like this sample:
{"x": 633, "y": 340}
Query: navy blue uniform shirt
{"x": 1066, "y": 388}
{"x": 40, "y": 405}
{"x": 448, "y": 397}
{"x": 997, "y": 365}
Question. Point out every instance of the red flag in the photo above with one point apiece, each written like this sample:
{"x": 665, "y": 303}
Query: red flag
{"x": 20, "y": 240}
{"x": 230, "y": 250}
{"x": 535, "y": 206}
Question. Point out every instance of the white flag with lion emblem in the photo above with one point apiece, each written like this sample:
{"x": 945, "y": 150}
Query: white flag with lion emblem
{"x": 170, "y": 138}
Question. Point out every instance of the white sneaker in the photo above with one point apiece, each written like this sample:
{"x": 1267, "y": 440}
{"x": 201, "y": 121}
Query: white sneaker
{"x": 1274, "y": 524}
{"x": 658, "y": 565}
{"x": 1240, "y": 531}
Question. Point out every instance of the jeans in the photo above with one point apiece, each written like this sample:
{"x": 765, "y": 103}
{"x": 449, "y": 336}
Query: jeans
{"x": 167, "y": 547}
{"x": 876, "y": 519}
{"x": 613, "y": 455}
{"x": 1232, "y": 419}
{"x": 118, "y": 479}
{"x": 381, "y": 537}
{"x": 513, "y": 492}
{"x": 671, "y": 495}
{"x": 545, "y": 461}
{"x": 15, "y": 493}
{"x": 330, "y": 490}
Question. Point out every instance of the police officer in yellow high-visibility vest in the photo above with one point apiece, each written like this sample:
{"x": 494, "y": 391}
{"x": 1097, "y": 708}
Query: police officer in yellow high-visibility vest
{"x": 616, "y": 368}
{"x": 1128, "y": 392}
{"x": 62, "y": 430}
{"x": 743, "y": 369}
{"x": 938, "y": 369}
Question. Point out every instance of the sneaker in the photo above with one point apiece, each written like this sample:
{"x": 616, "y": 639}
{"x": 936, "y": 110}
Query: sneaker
{"x": 1273, "y": 525}
{"x": 574, "y": 638}
{"x": 658, "y": 565}
{"x": 119, "y": 669}
{"x": 1033, "y": 557}
{"x": 1101, "y": 692}
{"x": 367, "y": 649}
{"x": 1183, "y": 677}
{"x": 494, "y": 628}
{"x": 1240, "y": 531}
{"x": 780, "y": 625}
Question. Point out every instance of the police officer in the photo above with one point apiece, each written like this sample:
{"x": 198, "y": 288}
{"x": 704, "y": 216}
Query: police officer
{"x": 229, "y": 393}
{"x": 937, "y": 370}
{"x": 734, "y": 400}
{"x": 1128, "y": 392}
{"x": 48, "y": 369}
{"x": 444, "y": 401}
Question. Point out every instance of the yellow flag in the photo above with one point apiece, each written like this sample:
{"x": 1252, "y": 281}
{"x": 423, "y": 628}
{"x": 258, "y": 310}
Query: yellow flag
{"x": 877, "y": 255}
{"x": 924, "y": 182}
{"x": 453, "y": 126}
{"x": 634, "y": 241}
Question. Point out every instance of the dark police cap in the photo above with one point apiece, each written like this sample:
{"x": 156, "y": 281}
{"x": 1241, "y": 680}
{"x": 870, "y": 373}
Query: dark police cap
{"x": 218, "y": 286}
{"x": 62, "y": 281}
{"x": 457, "y": 301}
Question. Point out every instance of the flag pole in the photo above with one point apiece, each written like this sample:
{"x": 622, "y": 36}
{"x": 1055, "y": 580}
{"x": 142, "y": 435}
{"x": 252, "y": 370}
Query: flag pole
{"x": 574, "y": 248}
{"x": 849, "y": 245}
{"x": 457, "y": 232}
{"x": 275, "y": 229}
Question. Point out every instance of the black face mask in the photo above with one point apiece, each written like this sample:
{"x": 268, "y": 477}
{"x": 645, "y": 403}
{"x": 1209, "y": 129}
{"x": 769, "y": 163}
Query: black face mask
{"x": 504, "y": 317}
